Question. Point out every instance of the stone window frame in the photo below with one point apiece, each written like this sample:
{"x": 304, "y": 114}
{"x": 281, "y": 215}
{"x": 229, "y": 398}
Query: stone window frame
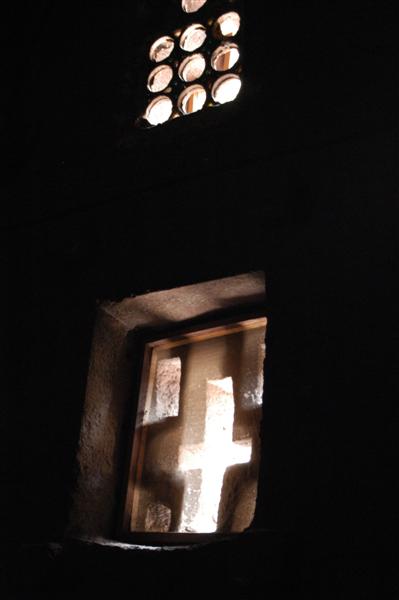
{"x": 239, "y": 320}
{"x": 120, "y": 326}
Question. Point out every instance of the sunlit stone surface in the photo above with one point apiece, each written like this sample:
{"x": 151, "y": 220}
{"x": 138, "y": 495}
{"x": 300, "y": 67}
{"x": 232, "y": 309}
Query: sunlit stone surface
{"x": 191, "y": 6}
{"x": 227, "y": 25}
{"x": 212, "y": 457}
{"x": 225, "y": 57}
{"x": 160, "y": 78}
{"x": 226, "y": 89}
{"x": 167, "y": 388}
{"x": 193, "y": 37}
{"x": 165, "y": 397}
{"x": 192, "y": 99}
{"x": 192, "y": 67}
{"x": 158, "y": 517}
{"x": 159, "y": 110}
{"x": 253, "y": 394}
{"x": 162, "y": 48}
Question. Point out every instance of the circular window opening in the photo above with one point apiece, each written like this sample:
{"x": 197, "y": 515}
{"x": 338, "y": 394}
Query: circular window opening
{"x": 193, "y": 37}
{"x": 225, "y": 57}
{"x": 226, "y": 89}
{"x": 227, "y": 25}
{"x": 159, "y": 110}
{"x": 162, "y": 48}
{"x": 192, "y": 67}
{"x": 160, "y": 78}
{"x": 191, "y": 6}
{"x": 192, "y": 99}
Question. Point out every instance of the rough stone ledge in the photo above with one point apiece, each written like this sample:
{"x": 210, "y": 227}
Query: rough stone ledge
{"x": 256, "y": 564}
{"x": 76, "y": 567}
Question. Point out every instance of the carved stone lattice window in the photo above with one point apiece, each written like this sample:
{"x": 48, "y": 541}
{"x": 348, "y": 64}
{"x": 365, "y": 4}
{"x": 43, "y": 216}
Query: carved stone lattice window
{"x": 195, "y": 454}
{"x": 195, "y": 64}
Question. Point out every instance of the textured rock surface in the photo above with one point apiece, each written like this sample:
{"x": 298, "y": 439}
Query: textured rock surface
{"x": 254, "y": 565}
{"x": 108, "y": 407}
{"x": 235, "y": 567}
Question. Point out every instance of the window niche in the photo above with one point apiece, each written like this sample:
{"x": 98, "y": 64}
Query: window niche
{"x": 195, "y": 456}
{"x": 189, "y": 408}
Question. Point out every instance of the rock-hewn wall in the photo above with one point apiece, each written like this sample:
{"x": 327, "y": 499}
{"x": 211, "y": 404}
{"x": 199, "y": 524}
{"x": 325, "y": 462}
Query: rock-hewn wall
{"x": 103, "y": 443}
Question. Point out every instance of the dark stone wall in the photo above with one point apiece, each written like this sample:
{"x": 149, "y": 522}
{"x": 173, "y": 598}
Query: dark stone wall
{"x": 298, "y": 178}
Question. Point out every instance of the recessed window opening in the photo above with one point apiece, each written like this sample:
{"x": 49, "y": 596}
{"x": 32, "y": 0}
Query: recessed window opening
{"x": 195, "y": 457}
{"x": 161, "y": 364}
{"x": 161, "y": 49}
{"x": 191, "y": 6}
{"x": 192, "y": 99}
{"x": 193, "y": 37}
{"x": 195, "y": 51}
{"x": 160, "y": 78}
{"x": 225, "y": 57}
{"x": 227, "y": 25}
{"x": 159, "y": 110}
{"x": 192, "y": 67}
{"x": 226, "y": 89}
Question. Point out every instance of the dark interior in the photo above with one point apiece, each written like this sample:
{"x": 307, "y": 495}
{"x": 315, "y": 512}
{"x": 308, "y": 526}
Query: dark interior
{"x": 297, "y": 178}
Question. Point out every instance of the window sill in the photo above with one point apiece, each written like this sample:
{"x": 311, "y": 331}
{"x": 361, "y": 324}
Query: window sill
{"x": 178, "y": 540}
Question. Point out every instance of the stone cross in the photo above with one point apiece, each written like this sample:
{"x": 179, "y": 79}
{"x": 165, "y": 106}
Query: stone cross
{"x": 212, "y": 457}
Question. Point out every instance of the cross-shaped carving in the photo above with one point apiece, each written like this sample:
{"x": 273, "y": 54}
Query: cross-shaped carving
{"x": 212, "y": 457}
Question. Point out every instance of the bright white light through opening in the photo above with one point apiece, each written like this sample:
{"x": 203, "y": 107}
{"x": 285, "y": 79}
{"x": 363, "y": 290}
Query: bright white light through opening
{"x": 228, "y": 25}
{"x": 192, "y": 99}
{"x": 193, "y": 37}
{"x": 161, "y": 49}
{"x": 225, "y": 57}
{"x": 160, "y": 78}
{"x": 191, "y": 6}
{"x": 164, "y": 78}
{"x": 192, "y": 68}
{"x": 226, "y": 89}
{"x": 159, "y": 110}
{"x": 213, "y": 456}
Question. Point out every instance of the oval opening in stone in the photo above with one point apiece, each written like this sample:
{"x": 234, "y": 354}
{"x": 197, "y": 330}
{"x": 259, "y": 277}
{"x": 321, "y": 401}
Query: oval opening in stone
{"x": 226, "y": 88}
{"x": 162, "y": 48}
{"x": 159, "y": 110}
{"x": 192, "y": 99}
{"x": 191, "y": 6}
{"x": 227, "y": 25}
{"x": 193, "y": 37}
{"x": 160, "y": 78}
{"x": 192, "y": 67}
{"x": 225, "y": 57}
